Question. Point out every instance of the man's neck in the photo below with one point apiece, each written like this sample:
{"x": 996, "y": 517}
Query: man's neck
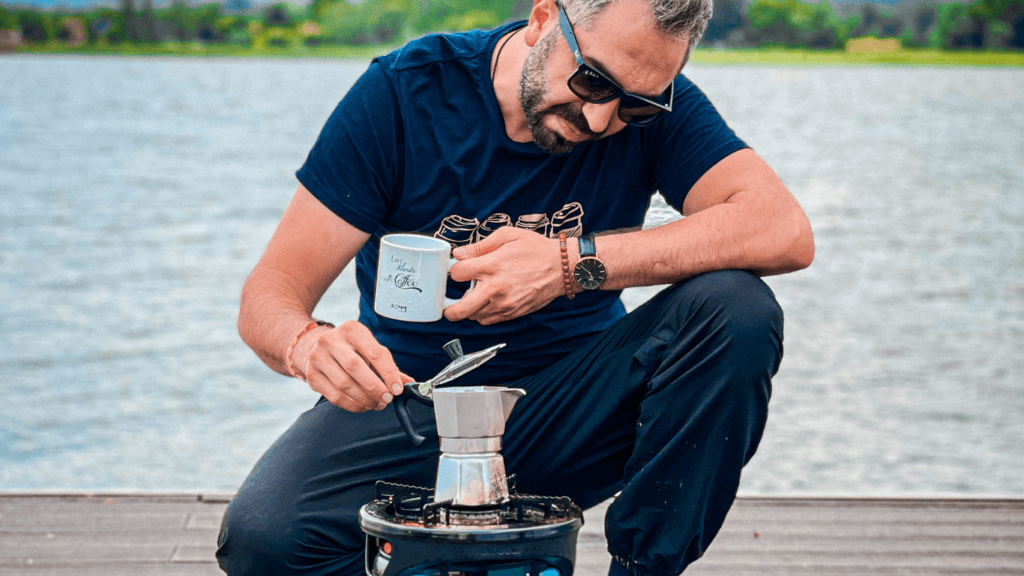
{"x": 507, "y": 70}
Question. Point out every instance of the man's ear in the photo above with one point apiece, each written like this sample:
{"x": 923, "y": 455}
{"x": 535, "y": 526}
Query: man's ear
{"x": 543, "y": 13}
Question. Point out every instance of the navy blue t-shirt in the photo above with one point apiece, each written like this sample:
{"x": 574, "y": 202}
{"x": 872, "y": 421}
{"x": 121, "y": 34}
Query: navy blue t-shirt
{"x": 419, "y": 145}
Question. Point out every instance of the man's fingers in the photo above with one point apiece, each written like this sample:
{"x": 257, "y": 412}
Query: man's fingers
{"x": 322, "y": 384}
{"x": 470, "y": 304}
{"x": 405, "y": 379}
{"x": 374, "y": 367}
{"x": 485, "y": 246}
{"x": 354, "y": 371}
{"x": 346, "y": 379}
{"x": 383, "y": 364}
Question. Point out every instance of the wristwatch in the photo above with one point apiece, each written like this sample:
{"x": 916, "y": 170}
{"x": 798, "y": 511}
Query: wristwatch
{"x": 589, "y": 271}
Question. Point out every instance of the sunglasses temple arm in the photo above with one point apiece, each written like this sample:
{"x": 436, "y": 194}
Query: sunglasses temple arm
{"x": 570, "y": 37}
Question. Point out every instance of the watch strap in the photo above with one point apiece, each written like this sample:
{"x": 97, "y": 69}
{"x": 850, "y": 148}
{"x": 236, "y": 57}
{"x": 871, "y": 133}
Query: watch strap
{"x": 587, "y": 246}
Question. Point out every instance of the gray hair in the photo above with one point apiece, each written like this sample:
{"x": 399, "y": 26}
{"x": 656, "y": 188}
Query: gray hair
{"x": 681, "y": 18}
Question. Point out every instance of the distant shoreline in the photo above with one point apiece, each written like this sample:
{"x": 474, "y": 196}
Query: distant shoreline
{"x": 729, "y": 56}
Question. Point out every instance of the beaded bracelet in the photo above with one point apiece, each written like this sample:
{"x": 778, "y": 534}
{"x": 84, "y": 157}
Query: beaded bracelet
{"x": 291, "y": 347}
{"x": 565, "y": 266}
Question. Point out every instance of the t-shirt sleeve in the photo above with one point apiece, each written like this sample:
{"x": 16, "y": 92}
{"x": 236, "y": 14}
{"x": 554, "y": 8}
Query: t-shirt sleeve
{"x": 353, "y": 166}
{"x": 688, "y": 143}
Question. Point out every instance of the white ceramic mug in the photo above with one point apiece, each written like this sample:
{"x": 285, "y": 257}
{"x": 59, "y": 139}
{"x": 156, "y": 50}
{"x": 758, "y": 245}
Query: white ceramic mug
{"x": 412, "y": 276}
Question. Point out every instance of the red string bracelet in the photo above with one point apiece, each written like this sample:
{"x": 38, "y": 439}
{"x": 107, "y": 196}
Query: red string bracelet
{"x": 291, "y": 347}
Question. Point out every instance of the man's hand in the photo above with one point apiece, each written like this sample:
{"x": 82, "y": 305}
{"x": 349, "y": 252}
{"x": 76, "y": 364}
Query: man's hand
{"x": 516, "y": 272}
{"x": 352, "y": 370}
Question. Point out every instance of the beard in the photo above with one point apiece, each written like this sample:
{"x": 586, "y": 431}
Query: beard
{"x": 532, "y": 94}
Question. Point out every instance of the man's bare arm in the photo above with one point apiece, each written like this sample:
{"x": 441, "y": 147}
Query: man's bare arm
{"x": 739, "y": 215}
{"x": 307, "y": 252}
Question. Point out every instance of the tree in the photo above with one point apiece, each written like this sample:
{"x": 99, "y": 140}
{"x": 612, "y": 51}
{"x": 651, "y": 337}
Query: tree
{"x": 874, "y": 22}
{"x": 1001, "y": 22}
{"x": 922, "y": 21}
{"x": 37, "y": 27}
{"x": 131, "y": 27}
{"x": 729, "y": 16}
{"x": 372, "y": 22}
{"x": 793, "y": 23}
{"x": 8, "y": 21}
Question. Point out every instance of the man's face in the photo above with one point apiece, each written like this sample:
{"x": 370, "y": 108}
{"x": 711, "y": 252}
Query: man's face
{"x": 533, "y": 94}
{"x": 635, "y": 55}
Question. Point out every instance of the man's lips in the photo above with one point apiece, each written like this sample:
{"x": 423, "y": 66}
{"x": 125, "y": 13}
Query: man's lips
{"x": 574, "y": 134}
{"x": 576, "y": 123}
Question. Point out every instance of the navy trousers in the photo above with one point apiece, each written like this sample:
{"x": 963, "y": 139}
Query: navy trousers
{"x": 666, "y": 407}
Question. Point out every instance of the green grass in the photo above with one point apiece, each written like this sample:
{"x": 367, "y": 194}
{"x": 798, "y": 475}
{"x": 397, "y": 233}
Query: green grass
{"x": 909, "y": 57}
{"x": 732, "y": 56}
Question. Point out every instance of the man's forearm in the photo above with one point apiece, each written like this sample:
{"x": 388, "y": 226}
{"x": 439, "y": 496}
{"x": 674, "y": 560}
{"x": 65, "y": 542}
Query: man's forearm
{"x": 296, "y": 269}
{"x": 271, "y": 315}
{"x": 737, "y": 235}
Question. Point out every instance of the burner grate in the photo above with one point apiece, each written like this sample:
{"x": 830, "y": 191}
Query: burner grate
{"x": 406, "y": 503}
{"x": 551, "y": 507}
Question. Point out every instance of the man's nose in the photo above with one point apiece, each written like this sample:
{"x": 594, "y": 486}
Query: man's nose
{"x": 599, "y": 116}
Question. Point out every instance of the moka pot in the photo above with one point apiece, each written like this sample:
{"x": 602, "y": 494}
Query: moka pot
{"x": 470, "y": 422}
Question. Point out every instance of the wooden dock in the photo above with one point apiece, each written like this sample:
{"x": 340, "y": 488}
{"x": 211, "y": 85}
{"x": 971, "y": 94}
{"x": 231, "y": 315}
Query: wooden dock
{"x": 175, "y": 535}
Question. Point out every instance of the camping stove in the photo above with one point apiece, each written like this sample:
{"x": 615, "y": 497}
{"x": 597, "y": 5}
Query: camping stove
{"x": 409, "y": 534}
{"x": 473, "y": 522}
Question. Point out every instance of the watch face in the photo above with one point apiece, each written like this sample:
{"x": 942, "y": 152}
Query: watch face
{"x": 589, "y": 273}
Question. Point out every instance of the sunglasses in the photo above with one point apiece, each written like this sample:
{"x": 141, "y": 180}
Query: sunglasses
{"x": 594, "y": 87}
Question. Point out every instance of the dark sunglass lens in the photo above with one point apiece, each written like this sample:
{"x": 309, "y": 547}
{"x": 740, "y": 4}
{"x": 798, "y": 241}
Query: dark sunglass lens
{"x": 639, "y": 114}
{"x": 640, "y": 120}
{"x": 591, "y": 86}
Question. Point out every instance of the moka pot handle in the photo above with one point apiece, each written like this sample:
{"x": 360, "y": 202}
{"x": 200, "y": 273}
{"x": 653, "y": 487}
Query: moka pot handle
{"x": 402, "y": 411}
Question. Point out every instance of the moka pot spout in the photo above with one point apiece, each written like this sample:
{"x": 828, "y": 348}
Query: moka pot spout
{"x": 509, "y": 397}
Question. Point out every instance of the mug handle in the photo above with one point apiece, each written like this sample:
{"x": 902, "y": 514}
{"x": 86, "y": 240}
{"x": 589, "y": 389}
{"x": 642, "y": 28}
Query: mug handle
{"x": 450, "y": 301}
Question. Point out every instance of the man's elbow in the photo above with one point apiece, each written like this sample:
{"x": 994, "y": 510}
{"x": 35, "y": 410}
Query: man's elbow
{"x": 252, "y": 309}
{"x": 243, "y": 323}
{"x": 791, "y": 246}
{"x": 799, "y": 252}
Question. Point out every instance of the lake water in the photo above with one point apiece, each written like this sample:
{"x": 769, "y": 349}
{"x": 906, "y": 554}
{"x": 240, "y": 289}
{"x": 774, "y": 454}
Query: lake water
{"x": 137, "y": 194}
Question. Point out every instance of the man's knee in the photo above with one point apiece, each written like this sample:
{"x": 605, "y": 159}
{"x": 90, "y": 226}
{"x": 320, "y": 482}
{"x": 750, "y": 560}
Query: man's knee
{"x": 736, "y": 312}
{"x": 254, "y": 538}
{"x": 718, "y": 335}
{"x": 274, "y": 533}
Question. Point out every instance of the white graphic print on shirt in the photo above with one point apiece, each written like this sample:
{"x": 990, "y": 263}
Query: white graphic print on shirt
{"x": 459, "y": 230}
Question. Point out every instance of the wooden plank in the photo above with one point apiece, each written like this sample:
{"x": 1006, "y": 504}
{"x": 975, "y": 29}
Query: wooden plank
{"x": 200, "y": 553}
{"x": 87, "y": 507}
{"x": 843, "y": 512}
{"x": 907, "y": 531}
{"x": 878, "y": 515}
{"x": 774, "y": 543}
{"x": 85, "y": 513}
{"x": 594, "y": 561}
{"x": 206, "y": 519}
{"x": 25, "y": 501}
{"x": 865, "y": 560}
{"x": 77, "y": 521}
{"x": 14, "y": 541}
{"x": 41, "y": 555}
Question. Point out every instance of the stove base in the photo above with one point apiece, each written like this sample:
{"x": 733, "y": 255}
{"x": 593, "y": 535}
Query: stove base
{"x": 532, "y": 536}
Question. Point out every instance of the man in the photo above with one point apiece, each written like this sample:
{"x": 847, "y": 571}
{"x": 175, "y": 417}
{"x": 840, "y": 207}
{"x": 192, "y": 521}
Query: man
{"x": 504, "y": 143}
